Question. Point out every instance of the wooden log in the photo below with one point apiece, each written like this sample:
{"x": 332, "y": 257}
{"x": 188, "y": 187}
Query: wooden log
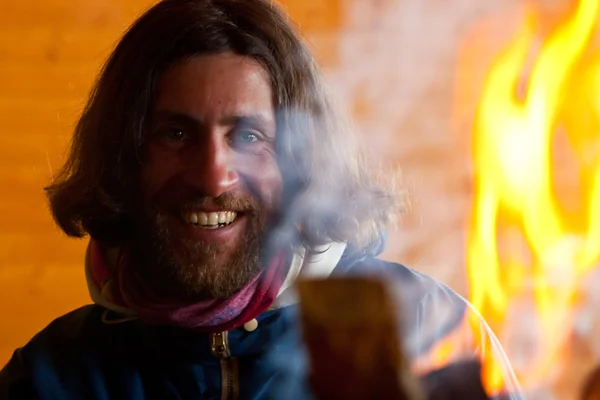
{"x": 352, "y": 333}
{"x": 459, "y": 380}
{"x": 591, "y": 387}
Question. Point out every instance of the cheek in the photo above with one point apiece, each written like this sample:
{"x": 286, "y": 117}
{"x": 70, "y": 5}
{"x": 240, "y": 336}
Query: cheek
{"x": 264, "y": 178}
{"x": 159, "y": 167}
{"x": 273, "y": 184}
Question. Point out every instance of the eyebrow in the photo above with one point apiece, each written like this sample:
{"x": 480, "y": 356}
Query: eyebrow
{"x": 250, "y": 120}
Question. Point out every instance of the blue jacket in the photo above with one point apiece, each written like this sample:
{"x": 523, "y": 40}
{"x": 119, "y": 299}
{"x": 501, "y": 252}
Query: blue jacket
{"x": 83, "y": 355}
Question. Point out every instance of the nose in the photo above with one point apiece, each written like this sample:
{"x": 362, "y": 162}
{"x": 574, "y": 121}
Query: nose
{"x": 210, "y": 167}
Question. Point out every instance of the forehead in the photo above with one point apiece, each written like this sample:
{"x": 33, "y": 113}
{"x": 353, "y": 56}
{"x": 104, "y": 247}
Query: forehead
{"x": 216, "y": 86}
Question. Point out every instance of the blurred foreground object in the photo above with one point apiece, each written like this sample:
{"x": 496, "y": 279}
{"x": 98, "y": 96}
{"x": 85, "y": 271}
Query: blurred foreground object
{"x": 461, "y": 380}
{"x": 352, "y": 333}
{"x": 591, "y": 388}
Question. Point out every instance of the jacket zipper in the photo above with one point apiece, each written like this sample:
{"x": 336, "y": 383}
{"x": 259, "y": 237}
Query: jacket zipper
{"x": 229, "y": 366}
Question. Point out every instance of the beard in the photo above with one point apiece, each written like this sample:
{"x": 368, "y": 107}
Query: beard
{"x": 189, "y": 270}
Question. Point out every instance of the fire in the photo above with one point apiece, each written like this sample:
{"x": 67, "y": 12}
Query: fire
{"x": 514, "y": 189}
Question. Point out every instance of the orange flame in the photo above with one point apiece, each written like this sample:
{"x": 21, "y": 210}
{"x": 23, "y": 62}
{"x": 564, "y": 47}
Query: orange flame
{"x": 514, "y": 193}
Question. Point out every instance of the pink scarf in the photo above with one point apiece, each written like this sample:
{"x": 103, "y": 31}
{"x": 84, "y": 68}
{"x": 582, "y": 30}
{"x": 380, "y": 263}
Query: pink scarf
{"x": 125, "y": 291}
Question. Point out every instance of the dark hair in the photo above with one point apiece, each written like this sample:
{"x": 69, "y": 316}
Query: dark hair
{"x": 328, "y": 191}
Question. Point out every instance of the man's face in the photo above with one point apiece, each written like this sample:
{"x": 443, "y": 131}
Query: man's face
{"x": 210, "y": 180}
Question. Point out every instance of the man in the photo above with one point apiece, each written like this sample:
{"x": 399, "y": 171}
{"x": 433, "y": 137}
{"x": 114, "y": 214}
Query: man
{"x": 210, "y": 172}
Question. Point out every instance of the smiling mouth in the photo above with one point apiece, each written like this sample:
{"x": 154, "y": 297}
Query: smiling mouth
{"x": 209, "y": 220}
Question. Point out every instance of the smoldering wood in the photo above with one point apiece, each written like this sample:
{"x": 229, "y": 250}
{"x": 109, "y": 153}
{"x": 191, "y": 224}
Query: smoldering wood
{"x": 460, "y": 380}
{"x": 351, "y": 328}
{"x": 591, "y": 386}
{"x": 351, "y": 333}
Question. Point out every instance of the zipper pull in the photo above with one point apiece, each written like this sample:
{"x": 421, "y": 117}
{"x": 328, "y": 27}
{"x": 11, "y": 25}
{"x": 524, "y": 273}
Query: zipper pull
{"x": 219, "y": 345}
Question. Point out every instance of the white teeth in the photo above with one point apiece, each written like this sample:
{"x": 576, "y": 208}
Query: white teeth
{"x": 203, "y": 219}
{"x": 211, "y": 219}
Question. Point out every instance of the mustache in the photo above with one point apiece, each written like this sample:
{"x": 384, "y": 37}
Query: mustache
{"x": 228, "y": 201}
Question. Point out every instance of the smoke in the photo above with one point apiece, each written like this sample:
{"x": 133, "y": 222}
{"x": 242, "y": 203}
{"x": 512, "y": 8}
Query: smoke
{"x": 393, "y": 70}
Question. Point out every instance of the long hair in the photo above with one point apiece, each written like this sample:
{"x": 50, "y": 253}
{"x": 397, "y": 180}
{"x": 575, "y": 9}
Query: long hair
{"x": 329, "y": 194}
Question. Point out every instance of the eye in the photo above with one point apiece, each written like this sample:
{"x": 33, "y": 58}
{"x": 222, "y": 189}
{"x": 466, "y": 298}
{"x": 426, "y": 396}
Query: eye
{"x": 244, "y": 137}
{"x": 175, "y": 134}
{"x": 247, "y": 137}
{"x": 173, "y": 137}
